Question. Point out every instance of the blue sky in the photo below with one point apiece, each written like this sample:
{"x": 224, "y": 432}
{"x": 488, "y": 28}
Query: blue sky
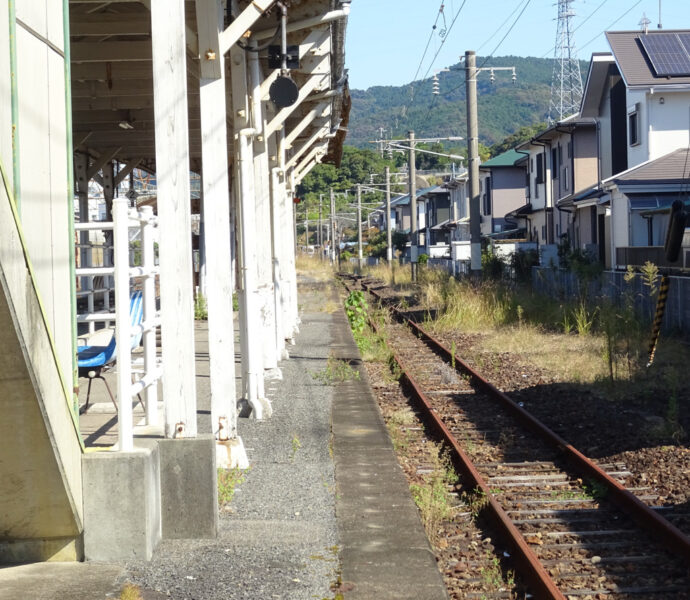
{"x": 386, "y": 38}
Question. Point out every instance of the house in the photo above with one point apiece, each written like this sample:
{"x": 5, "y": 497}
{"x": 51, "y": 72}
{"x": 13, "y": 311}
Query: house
{"x": 502, "y": 190}
{"x": 639, "y": 95}
{"x": 435, "y": 238}
{"x": 562, "y": 160}
{"x": 639, "y": 200}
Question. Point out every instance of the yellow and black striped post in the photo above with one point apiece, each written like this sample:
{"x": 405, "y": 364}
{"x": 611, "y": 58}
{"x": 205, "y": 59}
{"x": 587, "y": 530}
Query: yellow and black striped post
{"x": 659, "y": 317}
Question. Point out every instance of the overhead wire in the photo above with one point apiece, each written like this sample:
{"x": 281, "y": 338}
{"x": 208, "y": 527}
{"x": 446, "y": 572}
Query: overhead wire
{"x": 524, "y": 7}
{"x": 431, "y": 64}
{"x": 587, "y": 18}
{"x": 506, "y": 34}
{"x": 611, "y": 24}
{"x": 495, "y": 33}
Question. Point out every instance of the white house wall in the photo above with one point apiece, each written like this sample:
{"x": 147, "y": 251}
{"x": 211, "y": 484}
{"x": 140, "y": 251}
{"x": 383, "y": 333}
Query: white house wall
{"x": 640, "y": 152}
{"x": 43, "y": 163}
{"x": 669, "y": 122}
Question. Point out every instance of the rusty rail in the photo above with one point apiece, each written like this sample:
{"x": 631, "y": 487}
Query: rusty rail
{"x": 659, "y": 527}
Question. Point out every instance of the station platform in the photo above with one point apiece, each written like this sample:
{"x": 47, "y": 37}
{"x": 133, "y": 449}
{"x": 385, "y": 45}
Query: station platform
{"x": 324, "y": 508}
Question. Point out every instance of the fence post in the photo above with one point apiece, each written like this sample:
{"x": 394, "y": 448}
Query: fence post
{"x": 148, "y": 264}
{"x": 123, "y": 336}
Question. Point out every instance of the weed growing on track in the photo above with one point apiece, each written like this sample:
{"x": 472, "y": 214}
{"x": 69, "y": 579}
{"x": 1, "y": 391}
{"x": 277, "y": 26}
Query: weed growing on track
{"x": 397, "y": 428}
{"x": 476, "y": 501}
{"x": 432, "y": 497}
{"x": 493, "y": 576}
{"x": 228, "y": 480}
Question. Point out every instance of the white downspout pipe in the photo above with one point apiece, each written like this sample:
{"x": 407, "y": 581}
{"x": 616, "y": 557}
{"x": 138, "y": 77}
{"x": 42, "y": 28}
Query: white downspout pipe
{"x": 261, "y": 407}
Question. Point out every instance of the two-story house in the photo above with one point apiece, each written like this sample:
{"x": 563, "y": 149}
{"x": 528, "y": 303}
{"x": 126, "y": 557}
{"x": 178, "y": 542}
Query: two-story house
{"x": 502, "y": 188}
{"x": 562, "y": 161}
{"x": 639, "y": 95}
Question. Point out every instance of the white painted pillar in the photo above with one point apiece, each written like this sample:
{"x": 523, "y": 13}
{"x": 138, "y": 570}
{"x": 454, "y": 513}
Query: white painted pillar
{"x": 216, "y": 231}
{"x": 288, "y": 272}
{"x": 263, "y": 221}
{"x": 172, "y": 173}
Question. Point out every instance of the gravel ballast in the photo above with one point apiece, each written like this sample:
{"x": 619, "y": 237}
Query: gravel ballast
{"x": 279, "y": 539}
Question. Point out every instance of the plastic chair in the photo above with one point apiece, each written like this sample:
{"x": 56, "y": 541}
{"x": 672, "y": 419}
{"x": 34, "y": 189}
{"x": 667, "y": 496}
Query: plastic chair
{"x": 91, "y": 360}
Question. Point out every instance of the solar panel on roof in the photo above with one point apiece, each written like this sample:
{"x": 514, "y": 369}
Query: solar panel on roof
{"x": 668, "y": 53}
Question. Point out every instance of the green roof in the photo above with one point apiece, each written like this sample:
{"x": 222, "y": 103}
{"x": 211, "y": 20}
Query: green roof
{"x": 507, "y": 159}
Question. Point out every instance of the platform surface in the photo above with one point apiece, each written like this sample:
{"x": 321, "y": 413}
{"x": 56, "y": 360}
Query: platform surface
{"x": 324, "y": 501}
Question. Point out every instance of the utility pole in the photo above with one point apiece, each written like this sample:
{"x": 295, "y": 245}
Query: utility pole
{"x": 332, "y": 246}
{"x": 413, "y": 207}
{"x": 319, "y": 236}
{"x": 360, "y": 256}
{"x": 389, "y": 235}
{"x": 473, "y": 160}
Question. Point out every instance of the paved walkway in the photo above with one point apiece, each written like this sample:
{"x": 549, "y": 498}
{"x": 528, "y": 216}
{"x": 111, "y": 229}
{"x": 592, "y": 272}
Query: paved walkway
{"x": 324, "y": 502}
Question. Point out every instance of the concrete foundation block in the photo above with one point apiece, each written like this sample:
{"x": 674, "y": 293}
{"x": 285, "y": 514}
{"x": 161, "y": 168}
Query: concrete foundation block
{"x": 121, "y": 504}
{"x": 189, "y": 488}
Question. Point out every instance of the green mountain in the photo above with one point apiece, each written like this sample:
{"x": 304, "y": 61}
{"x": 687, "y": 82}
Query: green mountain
{"x": 503, "y": 106}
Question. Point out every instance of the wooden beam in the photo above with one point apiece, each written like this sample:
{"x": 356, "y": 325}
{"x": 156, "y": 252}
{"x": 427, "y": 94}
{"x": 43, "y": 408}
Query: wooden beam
{"x": 104, "y": 70}
{"x": 107, "y": 25}
{"x": 304, "y": 91}
{"x": 319, "y": 133}
{"x": 190, "y": 36}
{"x": 216, "y": 210}
{"x": 126, "y": 170}
{"x": 314, "y": 40}
{"x": 89, "y": 52}
{"x": 242, "y": 23}
{"x": 105, "y": 157}
{"x": 318, "y": 111}
{"x": 172, "y": 172}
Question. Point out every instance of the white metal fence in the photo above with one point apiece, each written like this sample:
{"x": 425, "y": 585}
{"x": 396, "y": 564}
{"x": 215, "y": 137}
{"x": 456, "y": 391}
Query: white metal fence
{"x": 145, "y": 380}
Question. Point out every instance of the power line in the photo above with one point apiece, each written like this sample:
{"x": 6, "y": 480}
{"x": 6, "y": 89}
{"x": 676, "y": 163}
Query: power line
{"x": 493, "y": 35}
{"x": 455, "y": 18}
{"x": 428, "y": 43}
{"x": 507, "y": 33}
{"x": 611, "y": 24}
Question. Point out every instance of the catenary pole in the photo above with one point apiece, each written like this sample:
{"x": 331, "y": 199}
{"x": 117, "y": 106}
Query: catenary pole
{"x": 473, "y": 160}
{"x": 360, "y": 256}
{"x": 413, "y": 207}
{"x": 389, "y": 234}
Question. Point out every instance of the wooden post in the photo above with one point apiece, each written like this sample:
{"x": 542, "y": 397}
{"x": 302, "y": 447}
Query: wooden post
{"x": 216, "y": 232}
{"x": 172, "y": 172}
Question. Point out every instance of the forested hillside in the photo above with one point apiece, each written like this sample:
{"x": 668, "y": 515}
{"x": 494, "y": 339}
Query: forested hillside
{"x": 503, "y": 106}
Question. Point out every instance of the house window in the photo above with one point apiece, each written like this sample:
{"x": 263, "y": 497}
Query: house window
{"x": 536, "y": 188}
{"x": 566, "y": 179}
{"x": 634, "y": 127}
{"x": 540, "y": 168}
{"x": 487, "y": 196}
{"x": 554, "y": 163}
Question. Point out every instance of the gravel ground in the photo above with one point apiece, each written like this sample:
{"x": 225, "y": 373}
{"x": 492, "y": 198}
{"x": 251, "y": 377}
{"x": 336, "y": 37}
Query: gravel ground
{"x": 280, "y": 538}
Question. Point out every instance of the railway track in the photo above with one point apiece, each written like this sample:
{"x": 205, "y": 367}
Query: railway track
{"x": 574, "y": 529}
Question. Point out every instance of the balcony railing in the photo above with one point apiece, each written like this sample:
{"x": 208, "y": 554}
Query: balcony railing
{"x": 637, "y": 256}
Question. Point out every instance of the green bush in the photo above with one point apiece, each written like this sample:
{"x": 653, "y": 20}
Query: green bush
{"x": 423, "y": 259}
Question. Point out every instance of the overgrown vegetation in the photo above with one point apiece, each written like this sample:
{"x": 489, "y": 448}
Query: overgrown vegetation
{"x": 130, "y": 592}
{"x": 433, "y": 497}
{"x": 200, "y": 308}
{"x": 336, "y": 371}
{"x": 228, "y": 480}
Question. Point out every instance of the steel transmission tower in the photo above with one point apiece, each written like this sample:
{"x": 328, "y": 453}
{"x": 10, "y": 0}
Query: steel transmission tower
{"x": 566, "y": 83}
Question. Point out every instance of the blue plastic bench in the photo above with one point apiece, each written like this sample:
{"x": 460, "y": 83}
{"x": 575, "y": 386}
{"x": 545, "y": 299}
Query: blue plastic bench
{"x": 91, "y": 360}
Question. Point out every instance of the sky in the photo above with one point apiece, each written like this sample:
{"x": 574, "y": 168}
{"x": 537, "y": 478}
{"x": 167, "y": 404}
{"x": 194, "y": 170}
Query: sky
{"x": 386, "y": 38}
